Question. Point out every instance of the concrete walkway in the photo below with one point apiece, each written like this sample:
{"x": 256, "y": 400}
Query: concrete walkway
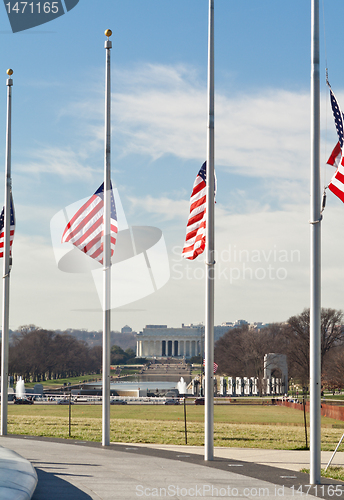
{"x": 76, "y": 470}
{"x": 293, "y": 460}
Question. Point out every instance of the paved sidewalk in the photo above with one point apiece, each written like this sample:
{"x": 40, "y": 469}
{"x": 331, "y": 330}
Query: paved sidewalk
{"x": 284, "y": 459}
{"x": 76, "y": 470}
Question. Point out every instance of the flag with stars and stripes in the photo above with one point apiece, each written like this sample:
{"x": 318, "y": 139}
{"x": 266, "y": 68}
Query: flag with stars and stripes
{"x": 196, "y": 226}
{"x": 86, "y": 229}
{"x": 336, "y": 184}
{"x": 215, "y": 366}
{"x": 336, "y": 156}
{"x": 2, "y": 228}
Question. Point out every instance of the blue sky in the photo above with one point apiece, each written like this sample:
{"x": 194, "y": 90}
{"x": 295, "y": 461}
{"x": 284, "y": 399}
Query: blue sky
{"x": 159, "y": 74}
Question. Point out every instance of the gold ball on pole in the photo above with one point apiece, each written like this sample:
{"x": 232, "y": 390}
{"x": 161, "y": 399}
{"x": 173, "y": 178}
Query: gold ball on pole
{"x": 108, "y": 33}
{"x": 9, "y": 72}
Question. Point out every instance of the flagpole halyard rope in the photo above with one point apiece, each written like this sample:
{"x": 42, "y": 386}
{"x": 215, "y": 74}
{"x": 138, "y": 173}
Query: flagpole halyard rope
{"x": 328, "y": 84}
{"x": 316, "y": 221}
{"x": 324, "y": 28}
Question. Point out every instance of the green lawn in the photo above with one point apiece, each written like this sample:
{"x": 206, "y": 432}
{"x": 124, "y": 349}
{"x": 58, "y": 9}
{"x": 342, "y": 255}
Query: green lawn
{"x": 267, "y": 427}
{"x": 51, "y": 384}
{"x": 332, "y": 472}
{"x": 230, "y": 414}
{"x": 336, "y": 397}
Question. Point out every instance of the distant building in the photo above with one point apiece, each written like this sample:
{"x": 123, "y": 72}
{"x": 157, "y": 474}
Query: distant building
{"x": 240, "y": 322}
{"x": 257, "y": 325}
{"x": 161, "y": 341}
{"x": 126, "y": 329}
{"x": 187, "y": 341}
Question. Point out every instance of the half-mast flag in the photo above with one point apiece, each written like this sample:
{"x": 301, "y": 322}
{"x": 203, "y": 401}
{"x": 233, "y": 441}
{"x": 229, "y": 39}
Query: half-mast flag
{"x": 86, "y": 229}
{"x": 336, "y": 184}
{"x": 215, "y": 366}
{"x": 336, "y": 156}
{"x": 2, "y": 228}
{"x": 338, "y": 118}
{"x": 196, "y": 227}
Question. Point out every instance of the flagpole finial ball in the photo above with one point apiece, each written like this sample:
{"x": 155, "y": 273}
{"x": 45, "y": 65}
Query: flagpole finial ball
{"x": 9, "y": 72}
{"x": 108, "y": 33}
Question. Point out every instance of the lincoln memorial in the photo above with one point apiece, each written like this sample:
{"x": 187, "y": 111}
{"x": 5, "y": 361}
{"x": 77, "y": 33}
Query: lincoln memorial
{"x": 161, "y": 341}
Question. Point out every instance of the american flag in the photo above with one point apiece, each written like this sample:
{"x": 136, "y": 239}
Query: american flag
{"x": 12, "y": 227}
{"x": 336, "y": 184}
{"x": 338, "y": 118}
{"x": 215, "y": 366}
{"x": 336, "y": 156}
{"x": 196, "y": 227}
{"x": 86, "y": 229}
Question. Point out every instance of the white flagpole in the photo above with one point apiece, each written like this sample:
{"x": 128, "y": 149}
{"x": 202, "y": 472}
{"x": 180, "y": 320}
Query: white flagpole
{"x": 107, "y": 252}
{"x": 315, "y": 257}
{"x": 209, "y": 255}
{"x": 6, "y": 264}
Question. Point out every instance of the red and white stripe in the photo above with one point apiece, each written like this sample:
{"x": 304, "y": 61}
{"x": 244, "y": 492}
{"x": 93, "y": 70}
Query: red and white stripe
{"x": 86, "y": 229}
{"x": 336, "y": 156}
{"x": 2, "y": 228}
{"x": 2, "y": 239}
{"x": 215, "y": 366}
{"x": 196, "y": 227}
{"x": 336, "y": 184}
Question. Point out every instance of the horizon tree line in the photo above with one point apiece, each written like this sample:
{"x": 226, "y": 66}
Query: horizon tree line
{"x": 37, "y": 355}
{"x": 240, "y": 352}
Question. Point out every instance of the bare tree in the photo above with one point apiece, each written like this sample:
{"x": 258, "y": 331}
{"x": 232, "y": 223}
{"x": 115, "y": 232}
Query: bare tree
{"x": 333, "y": 371}
{"x": 297, "y": 333}
{"x": 240, "y": 352}
{"x": 37, "y": 354}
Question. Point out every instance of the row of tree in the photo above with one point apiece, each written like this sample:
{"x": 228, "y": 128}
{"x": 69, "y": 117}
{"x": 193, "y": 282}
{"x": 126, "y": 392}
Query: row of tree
{"x": 240, "y": 352}
{"x": 36, "y": 355}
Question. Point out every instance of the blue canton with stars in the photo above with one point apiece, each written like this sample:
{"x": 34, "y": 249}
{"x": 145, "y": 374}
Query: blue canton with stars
{"x": 2, "y": 216}
{"x": 338, "y": 118}
{"x": 203, "y": 172}
{"x": 100, "y": 193}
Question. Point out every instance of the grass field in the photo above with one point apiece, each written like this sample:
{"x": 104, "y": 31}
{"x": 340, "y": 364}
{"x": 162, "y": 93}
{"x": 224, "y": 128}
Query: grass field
{"x": 270, "y": 427}
{"x": 332, "y": 472}
{"x": 52, "y": 384}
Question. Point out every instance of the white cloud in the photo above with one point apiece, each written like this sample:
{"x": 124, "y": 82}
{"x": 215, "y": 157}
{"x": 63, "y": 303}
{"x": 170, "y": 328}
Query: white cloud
{"x": 166, "y": 208}
{"x": 57, "y": 161}
{"x": 163, "y": 111}
{"x": 43, "y": 295}
{"x": 159, "y": 110}
{"x": 262, "y": 272}
{"x": 262, "y": 260}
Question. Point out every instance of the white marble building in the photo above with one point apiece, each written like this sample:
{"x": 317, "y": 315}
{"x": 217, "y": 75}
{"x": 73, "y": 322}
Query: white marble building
{"x": 187, "y": 341}
{"x": 161, "y": 341}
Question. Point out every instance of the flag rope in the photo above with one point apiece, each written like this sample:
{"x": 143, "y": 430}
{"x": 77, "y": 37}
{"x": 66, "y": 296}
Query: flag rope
{"x": 324, "y": 28}
{"x": 325, "y": 168}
